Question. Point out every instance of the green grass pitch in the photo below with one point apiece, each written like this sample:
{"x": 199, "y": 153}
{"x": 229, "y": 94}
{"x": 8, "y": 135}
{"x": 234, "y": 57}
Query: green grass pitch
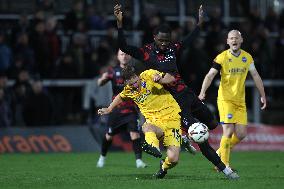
{"x": 257, "y": 170}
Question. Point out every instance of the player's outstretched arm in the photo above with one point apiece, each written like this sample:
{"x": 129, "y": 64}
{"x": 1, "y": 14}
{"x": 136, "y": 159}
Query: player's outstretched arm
{"x": 188, "y": 39}
{"x": 133, "y": 51}
{"x": 116, "y": 101}
{"x": 164, "y": 78}
{"x": 200, "y": 16}
{"x": 207, "y": 82}
{"x": 118, "y": 15}
{"x": 259, "y": 85}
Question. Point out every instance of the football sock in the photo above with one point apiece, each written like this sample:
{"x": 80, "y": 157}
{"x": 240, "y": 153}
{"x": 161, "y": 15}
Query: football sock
{"x": 211, "y": 155}
{"x": 152, "y": 139}
{"x": 225, "y": 150}
{"x": 234, "y": 140}
{"x": 227, "y": 171}
{"x": 136, "y": 144}
{"x": 105, "y": 146}
{"x": 168, "y": 165}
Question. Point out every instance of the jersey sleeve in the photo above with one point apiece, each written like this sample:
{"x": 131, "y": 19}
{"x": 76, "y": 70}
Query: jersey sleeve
{"x": 219, "y": 59}
{"x": 148, "y": 76}
{"x": 125, "y": 93}
{"x": 250, "y": 59}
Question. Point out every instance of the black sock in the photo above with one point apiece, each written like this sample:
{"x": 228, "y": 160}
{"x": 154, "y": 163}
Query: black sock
{"x": 105, "y": 146}
{"x": 137, "y": 148}
{"x": 211, "y": 155}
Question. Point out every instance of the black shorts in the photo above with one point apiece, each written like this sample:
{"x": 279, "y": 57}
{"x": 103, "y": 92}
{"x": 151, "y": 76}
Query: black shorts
{"x": 194, "y": 110}
{"x": 118, "y": 122}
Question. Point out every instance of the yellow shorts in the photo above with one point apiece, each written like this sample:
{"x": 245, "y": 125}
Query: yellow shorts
{"x": 172, "y": 131}
{"x": 232, "y": 112}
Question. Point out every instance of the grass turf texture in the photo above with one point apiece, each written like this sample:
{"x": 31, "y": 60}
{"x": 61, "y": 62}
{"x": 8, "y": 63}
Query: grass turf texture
{"x": 257, "y": 170}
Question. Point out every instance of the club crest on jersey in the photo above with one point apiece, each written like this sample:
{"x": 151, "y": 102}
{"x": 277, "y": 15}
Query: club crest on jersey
{"x": 230, "y": 60}
{"x": 244, "y": 59}
{"x": 230, "y": 116}
{"x": 117, "y": 73}
{"x": 143, "y": 84}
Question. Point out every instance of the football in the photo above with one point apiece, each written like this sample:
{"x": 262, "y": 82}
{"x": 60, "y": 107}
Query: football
{"x": 198, "y": 132}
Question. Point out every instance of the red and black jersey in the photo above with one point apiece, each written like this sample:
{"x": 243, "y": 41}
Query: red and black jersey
{"x": 117, "y": 81}
{"x": 164, "y": 61}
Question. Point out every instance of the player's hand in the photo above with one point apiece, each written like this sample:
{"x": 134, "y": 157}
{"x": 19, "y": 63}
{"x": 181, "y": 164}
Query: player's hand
{"x": 104, "y": 111}
{"x": 157, "y": 78}
{"x": 118, "y": 13}
{"x": 263, "y": 101}
{"x": 200, "y": 15}
{"x": 104, "y": 76}
{"x": 201, "y": 96}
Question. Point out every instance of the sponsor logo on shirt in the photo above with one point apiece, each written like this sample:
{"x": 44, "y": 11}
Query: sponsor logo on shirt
{"x": 117, "y": 73}
{"x": 143, "y": 84}
{"x": 230, "y": 116}
{"x": 237, "y": 70}
{"x": 143, "y": 97}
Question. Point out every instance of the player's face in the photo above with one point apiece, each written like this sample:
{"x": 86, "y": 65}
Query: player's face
{"x": 134, "y": 83}
{"x": 123, "y": 58}
{"x": 234, "y": 40}
{"x": 162, "y": 40}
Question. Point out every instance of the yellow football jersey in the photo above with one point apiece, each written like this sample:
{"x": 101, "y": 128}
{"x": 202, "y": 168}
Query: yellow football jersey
{"x": 154, "y": 102}
{"x": 233, "y": 72}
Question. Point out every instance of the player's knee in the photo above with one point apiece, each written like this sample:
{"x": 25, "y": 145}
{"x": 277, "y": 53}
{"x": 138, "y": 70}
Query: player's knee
{"x": 241, "y": 135}
{"x": 134, "y": 135}
{"x": 173, "y": 159}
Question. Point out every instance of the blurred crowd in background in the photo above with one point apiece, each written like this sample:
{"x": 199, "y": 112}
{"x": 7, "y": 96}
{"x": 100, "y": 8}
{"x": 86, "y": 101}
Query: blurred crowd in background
{"x": 33, "y": 48}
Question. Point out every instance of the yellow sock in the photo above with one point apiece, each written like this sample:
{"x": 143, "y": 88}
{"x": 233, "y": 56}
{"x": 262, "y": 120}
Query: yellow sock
{"x": 167, "y": 164}
{"x": 234, "y": 140}
{"x": 152, "y": 139}
{"x": 225, "y": 150}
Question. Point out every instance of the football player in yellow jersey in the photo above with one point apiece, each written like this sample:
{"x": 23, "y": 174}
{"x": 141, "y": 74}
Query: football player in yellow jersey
{"x": 160, "y": 110}
{"x": 233, "y": 64}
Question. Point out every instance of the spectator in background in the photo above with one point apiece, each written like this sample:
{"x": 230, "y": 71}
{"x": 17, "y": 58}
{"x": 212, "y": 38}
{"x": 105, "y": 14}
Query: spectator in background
{"x": 6, "y": 90}
{"x": 5, "y": 111}
{"x": 74, "y": 16}
{"x": 94, "y": 20}
{"x": 24, "y": 53}
{"x": 23, "y": 26}
{"x": 261, "y": 51}
{"x": 66, "y": 67}
{"x": 194, "y": 64}
{"x": 5, "y": 54}
{"x": 278, "y": 58}
{"x": 39, "y": 43}
{"x": 80, "y": 52}
{"x": 150, "y": 19}
{"x": 46, "y": 5}
{"x": 37, "y": 107}
{"x": 20, "y": 89}
{"x": 271, "y": 20}
{"x": 53, "y": 42}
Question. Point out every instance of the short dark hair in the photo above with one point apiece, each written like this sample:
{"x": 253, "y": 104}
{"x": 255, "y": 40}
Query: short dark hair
{"x": 164, "y": 28}
{"x": 128, "y": 72}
